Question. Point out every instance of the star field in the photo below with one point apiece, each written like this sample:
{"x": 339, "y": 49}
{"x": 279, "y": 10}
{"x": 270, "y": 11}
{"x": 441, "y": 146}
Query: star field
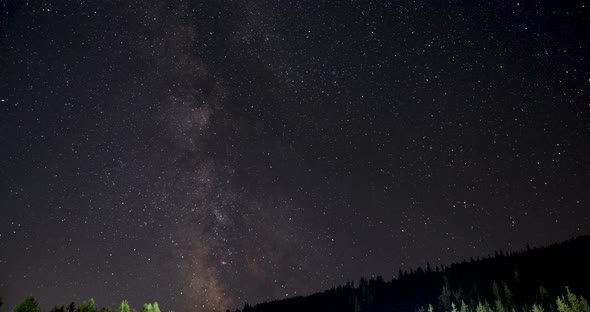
{"x": 206, "y": 153}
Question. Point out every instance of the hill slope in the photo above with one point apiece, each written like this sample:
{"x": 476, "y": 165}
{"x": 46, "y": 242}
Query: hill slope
{"x": 514, "y": 281}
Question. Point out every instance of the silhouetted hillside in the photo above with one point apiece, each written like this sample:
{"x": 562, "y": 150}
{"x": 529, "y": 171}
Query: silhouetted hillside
{"x": 502, "y": 283}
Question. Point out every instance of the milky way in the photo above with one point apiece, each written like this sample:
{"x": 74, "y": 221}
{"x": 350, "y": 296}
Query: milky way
{"x": 206, "y": 153}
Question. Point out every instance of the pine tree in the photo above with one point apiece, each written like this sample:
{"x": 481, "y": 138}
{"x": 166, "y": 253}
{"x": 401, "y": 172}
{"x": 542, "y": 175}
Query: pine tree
{"x": 574, "y": 303}
{"x": 480, "y": 308}
{"x": 464, "y": 307}
{"x": 508, "y": 294}
{"x": 537, "y": 308}
{"x": 28, "y": 305}
{"x": 496, "y": 291}
{"x": 124, "y": 307}
{"x": 445, "y": 297}
{"x": 87, "y": 306}
{"x": 499, "y": 306}
{"x": 149, "y": 307}
{"x": 571, "y": 303}
{"x": 485, "y": 307}
{"x": 562, "y": 305}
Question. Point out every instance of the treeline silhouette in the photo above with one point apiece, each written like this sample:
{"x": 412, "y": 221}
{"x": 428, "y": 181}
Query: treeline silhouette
{"x": 30, "y": 304}
{"x": 531, "y": 280}
{"x": 547, "y": 279}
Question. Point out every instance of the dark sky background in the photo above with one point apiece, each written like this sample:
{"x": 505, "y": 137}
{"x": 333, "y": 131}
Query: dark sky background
{"x": 206, "y": 153}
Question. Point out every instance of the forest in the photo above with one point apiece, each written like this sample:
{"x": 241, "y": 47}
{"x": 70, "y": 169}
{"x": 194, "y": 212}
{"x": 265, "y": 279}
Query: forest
{"x": 552, "y": 278}
{"x": 543, "y": 279}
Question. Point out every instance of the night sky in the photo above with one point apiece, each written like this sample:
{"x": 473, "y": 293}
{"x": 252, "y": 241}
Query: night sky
{"x": 206, "y": 153}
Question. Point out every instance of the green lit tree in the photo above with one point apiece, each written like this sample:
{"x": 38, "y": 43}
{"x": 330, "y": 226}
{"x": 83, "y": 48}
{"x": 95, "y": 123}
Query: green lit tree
{"x": 151, "y": 307}
{"x": 499, "y": 306}
{"x": 537, "y": 308}
{"x": 124, "y": 307}
{"x": 30, "y": 304}
{"x": 444, "y": 300}
{"x": 87, "y": 306}
{"x": 483, "y": 307}
{"x": 571, "y": 303}
{"x": 464, "y": 307}
{"x": 155, "y": 307}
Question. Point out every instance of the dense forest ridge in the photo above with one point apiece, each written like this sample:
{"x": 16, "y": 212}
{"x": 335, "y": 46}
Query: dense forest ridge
{"x": 544, "y": 279}
{"x": 530, "y": 280}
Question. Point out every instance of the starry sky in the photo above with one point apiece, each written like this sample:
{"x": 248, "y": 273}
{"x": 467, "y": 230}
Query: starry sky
{"x": 206, "y": 153}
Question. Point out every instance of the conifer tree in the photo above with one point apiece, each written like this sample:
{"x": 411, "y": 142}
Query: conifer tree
{"x": 496, "y": 291}
{"x": 537, "y": 308}
{"x": 562, "y": 305}
{"x": 151, "y": 307}
{"x": 445, "y": 297}
{"x": 28, "y": 305}
{"x": 499, "y": 306}
{"x": 124, "y": 307}
{"x": 508, "y": 295}
{"x": 87, "y": 306}
{"x": 480, "y": 308}
{"x": 464, "y": 307}
{"x": 574, "y": 303}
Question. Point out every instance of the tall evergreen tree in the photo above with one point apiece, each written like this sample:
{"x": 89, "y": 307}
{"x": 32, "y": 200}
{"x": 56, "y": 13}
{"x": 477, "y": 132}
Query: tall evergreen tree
{"x": 124, "y": 307}
{"x": 464, "y": 307}
{"x": 444, "y": 299}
